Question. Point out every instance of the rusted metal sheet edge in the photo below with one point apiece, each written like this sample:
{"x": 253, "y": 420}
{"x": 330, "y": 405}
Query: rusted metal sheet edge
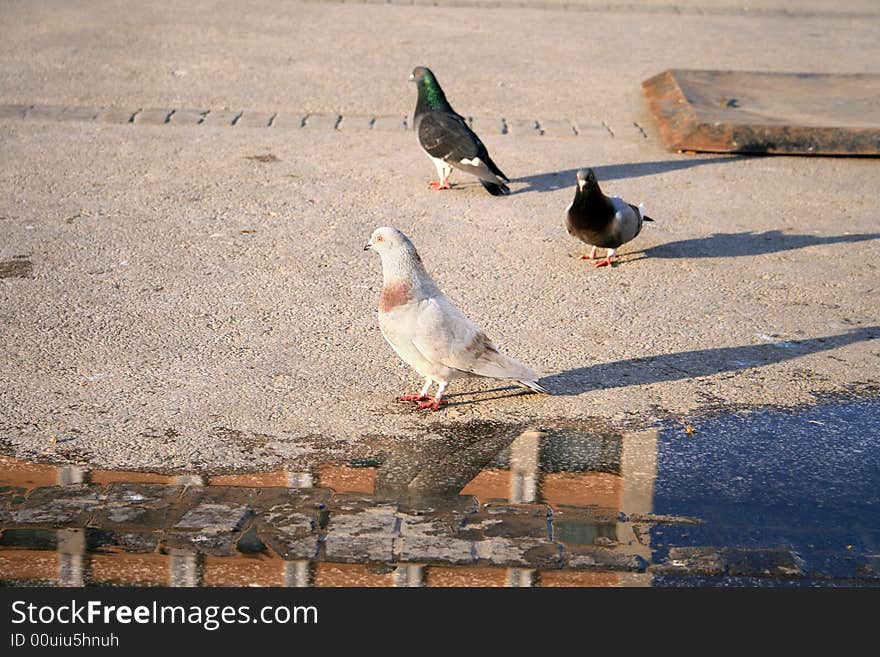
{"x": 681, "y": 130}
{"x": 674, "y": 116}
{"x": 783, "y": 140}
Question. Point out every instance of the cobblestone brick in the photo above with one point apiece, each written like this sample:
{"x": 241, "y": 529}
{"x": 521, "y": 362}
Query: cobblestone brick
{"x": 59, "y": 505}
{"x": 762, "y": 563}
{"x": 598, "y": 558}
{"x": 187, "y": 116}
{"x": 116, "y": 115}
{"x": 250, "y": 119}
{"x": 484, "y": 125}
{"x": 366, "y": 535}
{"x": 556, "y": 128}
{"x": 11, "y": 497}
{"x": 355, "y": 122}
{"x": 390, "y": 123}
{"x": 288, "y": 121}
{"x": 321, "y": 121}
{"x": 591, "y": 128}
{"x": 136, "y": 542}
{"x": 703, "y": 561}
{"x": 521, "y": 552}
{"x": 212, "y": 541}
{"x": 523, "y": 127}
{"x": 339, "y": 546}
{"x": 441, "y": 549}
{"x": 627, "y": 129}
{"x": 294, "y": 540}
{"x": 44, "y": 112}
{"x": 290, "y": 530}
{"x": 220, "y": 117}
{"x": 32, "y": 539}
{"x": 512, "y": 526}
{"x": 219, "y": 517}
{"x": 152, "y": 116}
{"x": 13, "y": 111}
{"x": 74, "y": 113}
{"x": 129, "y": 505}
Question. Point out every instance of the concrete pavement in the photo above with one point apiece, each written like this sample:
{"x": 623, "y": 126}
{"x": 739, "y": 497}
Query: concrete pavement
{"x": 195, "y": 303}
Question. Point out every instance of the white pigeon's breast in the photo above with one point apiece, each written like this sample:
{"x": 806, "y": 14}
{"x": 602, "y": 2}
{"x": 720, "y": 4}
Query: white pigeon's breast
{"x": 398, "y": 327}
{"x": 401, "y": 328}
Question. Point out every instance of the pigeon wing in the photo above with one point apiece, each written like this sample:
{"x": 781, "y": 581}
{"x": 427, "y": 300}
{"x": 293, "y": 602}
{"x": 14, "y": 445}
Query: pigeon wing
{"x": 448, "y": 137}
{"x": 444, "y": 335}
{"x": 627, "y": 219}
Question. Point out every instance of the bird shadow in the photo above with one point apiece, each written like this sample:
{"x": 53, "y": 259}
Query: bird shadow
{"x": 749, "y": 243}
{"x": 485, "y": 395}
{"x": 690, "y": 364}
{"x": 553, "y": 180}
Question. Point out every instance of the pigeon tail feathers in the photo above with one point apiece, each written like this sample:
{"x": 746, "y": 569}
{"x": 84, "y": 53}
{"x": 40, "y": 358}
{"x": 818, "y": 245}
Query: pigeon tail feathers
{"x": 498, "y": 365}
{"x": 534, "y": 386}
{"x": 495, "y": 189}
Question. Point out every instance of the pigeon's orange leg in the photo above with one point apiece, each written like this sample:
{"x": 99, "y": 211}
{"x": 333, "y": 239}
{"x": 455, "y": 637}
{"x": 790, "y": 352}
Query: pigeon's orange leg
{"x": 606, "y": 261}
{"x": 444, "y": 181}
{"x": 421, "y": 396}
{"x": 443, "y": 173}
{"x": 592, "y": 255}
{"x": 435, "y": 403}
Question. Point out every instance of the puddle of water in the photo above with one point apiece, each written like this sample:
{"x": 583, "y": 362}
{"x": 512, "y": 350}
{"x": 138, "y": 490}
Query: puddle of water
{"x": 764, "y": 498}
{"x": 806, "y": 481}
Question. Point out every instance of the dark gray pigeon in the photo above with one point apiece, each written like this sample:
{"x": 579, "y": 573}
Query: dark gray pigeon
{"x": 601, "y": 221}
{"x": 448, "y": 140}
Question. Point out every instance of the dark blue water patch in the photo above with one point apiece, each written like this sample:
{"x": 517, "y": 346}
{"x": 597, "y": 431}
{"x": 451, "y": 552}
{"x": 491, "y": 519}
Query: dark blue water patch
{"x": 807, "y": 480}
{"x": 763, "y": 582}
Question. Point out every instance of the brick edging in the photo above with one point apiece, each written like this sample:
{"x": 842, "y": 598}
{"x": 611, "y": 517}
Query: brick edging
{"x": 291, "y": 120}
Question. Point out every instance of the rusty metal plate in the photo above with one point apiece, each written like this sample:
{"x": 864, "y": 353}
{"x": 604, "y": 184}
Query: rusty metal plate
{"x": 784, "y": 113}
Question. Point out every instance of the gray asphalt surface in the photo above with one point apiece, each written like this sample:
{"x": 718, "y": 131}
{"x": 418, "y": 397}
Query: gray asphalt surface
{"x": 193, "y": 308}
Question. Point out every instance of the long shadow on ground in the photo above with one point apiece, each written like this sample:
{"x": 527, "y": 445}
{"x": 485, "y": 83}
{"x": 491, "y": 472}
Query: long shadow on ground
{"x": 553, "y": 180}
{"x": 748, "y": 243}
{"x": 689, "y": 364}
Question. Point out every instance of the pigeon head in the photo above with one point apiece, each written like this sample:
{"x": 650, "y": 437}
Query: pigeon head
{"x": 387, "y": 241}
{"x": 400, "y": 260}
{"x": 431, "y": 96}
{"x": 421, "y": 74}
{"x": 586, "y": 178}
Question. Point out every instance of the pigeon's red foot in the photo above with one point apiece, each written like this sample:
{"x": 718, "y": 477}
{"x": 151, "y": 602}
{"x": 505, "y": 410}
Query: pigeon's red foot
{"x": 604, "y": 262}
{"x": 586, "y": 257}
{"x": 434, "y": 404}
{"x": 416, "y": 398}
{"x": 434, "y": 184}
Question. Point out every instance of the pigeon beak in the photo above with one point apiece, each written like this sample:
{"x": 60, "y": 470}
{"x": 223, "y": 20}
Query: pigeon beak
{"x": 412, "y": 78}
{"x": 581, "y": 184}
{"x": 368, "y": 246}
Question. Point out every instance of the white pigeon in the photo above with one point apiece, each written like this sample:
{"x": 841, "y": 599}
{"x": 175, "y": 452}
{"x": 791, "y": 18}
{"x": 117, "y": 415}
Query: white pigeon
{"x": 426, "y": 329}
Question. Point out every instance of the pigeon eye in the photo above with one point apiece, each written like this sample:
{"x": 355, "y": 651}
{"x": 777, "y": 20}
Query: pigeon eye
{"x": 379, "y": 239}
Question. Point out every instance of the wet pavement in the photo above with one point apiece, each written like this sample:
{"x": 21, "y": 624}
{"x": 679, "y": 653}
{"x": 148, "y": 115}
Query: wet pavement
{"x": 761, "y": 497}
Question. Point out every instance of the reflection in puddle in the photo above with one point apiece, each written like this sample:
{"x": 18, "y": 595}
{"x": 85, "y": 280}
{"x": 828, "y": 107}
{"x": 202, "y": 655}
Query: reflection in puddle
{"x": 478, "y": 506}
